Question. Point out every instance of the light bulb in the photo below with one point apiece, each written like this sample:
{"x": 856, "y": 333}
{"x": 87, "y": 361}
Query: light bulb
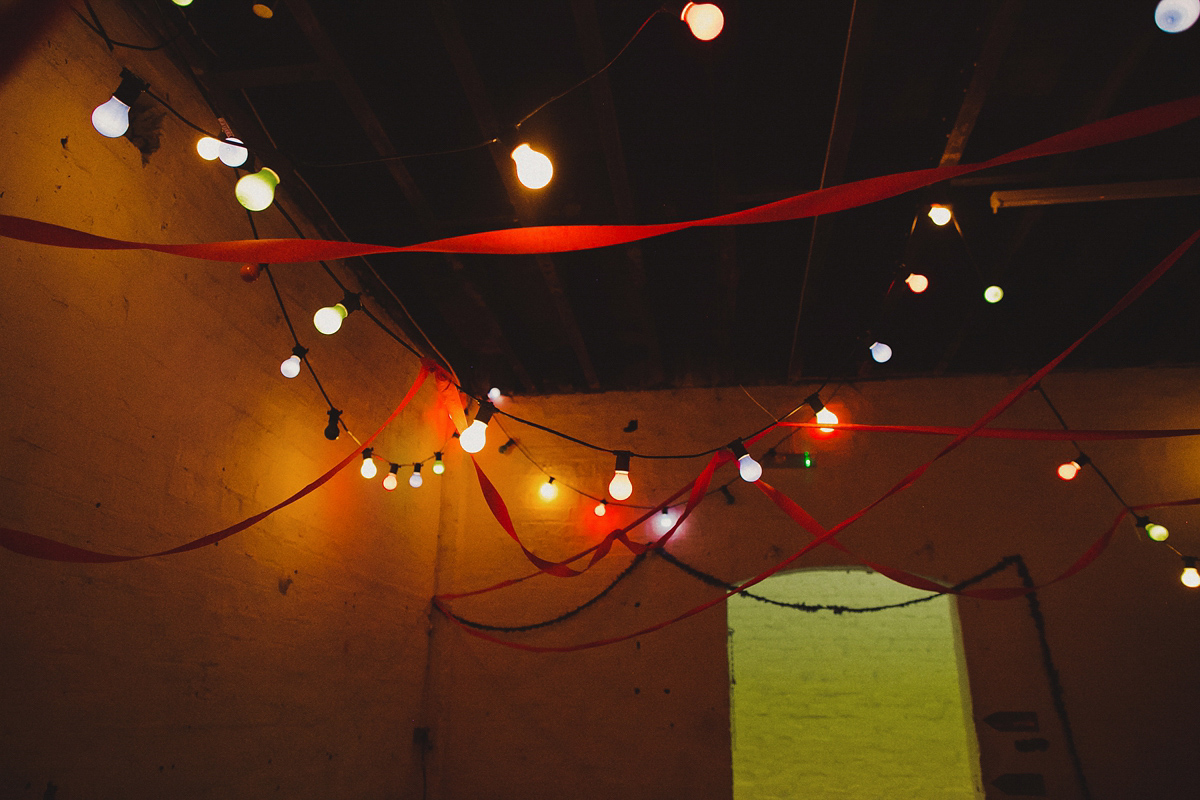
{"x": 1068, "y": 470}
{"x": 601, "y": 508}
{"x": 290, "y": 367}
{"x": 328, "y": 320}
{"x": 232, "y": 154}
{"x": 208, "y": 148}
{"x": 704, "y": 19}
{"x": 262, "y": 10}
{"x": 548, "y": 490}
{"x": 494, "y": 394}
{"x": 111, "y": 118}
{"x": 880, "y": 352}
{"x": 256, "y": 191}
{"x": 389, "y": 480}
{"x": 939, "y": 214}
{"x": 1158, "y": 533}
{"x": 664, "y": 521}
{"x": 438, "y": 466}
{"x": 917, "y": 282}
{"x": 182, "y": 3}
{"x": 1190, "y": 577}
{"x": 620, "y": 487}
{"x": 1175, "y": 16}
{"x": 368, "y": 469}
{"x": 993, "y": 294}
{"x": 534, "y": 169}
{"x": 827, "y": 417}
{"x": 415, "y": 480}
{"x": 331, "y": 430}
{"x": 748, "y": 468}
{"x": 474, "y": 437}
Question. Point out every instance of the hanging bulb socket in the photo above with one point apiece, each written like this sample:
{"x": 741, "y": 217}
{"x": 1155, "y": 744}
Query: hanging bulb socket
{"x": 291, "y": 365}
{"x": 331, "y": 430}
{"x": 510, "y": 444}
{"x": 415, "y": 480}
{"x": 620, "y": 487}
{"x": 390, "y": 480}
{"x": 474, "y": 437}
{"x": 601, "y": 508}
{"x": 368, "y": 469}
{"x": 823, "y": 414}
{"x": 748, "y": 468}
{"x": 111, "y": 118}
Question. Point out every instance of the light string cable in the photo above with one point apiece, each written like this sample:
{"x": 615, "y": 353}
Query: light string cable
{"x": 98, "y": 28}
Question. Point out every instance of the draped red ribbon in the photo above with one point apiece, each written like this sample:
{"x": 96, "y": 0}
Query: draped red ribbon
{"x": 565, "y": 238}
{"x": 30, "y": 544}
{"x": 1023, "y": 434}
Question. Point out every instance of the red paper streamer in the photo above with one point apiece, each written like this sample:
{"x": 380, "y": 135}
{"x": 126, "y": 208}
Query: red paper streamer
{"x": 1023, "y": 434}
{"x": 566, "y": 238}
{"x": 30, "y": 544}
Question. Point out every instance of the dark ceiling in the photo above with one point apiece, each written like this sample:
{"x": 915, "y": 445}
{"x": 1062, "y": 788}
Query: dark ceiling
{"x": 679, "y": 129}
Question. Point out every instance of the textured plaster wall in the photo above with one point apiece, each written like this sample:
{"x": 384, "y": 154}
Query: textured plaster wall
{"x": 142, "y": 407}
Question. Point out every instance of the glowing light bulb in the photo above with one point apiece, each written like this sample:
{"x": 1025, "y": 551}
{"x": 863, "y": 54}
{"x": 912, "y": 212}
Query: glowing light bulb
{"x": 939, "y": 214}
{"x": 1175, "y": 16}
{"x": 705, "y": 20}
{"x": 328, "y": 320}
{"x": 1190, "y": 577}
{"x": 748, "y": 468}
{"x": 827, "y": 417}
{"x": 208, "y": 148}
{"x": 993, "y": 294}
{"x": 368, "y": 469}
{"x": 262, "y": 10}
{"x": 534, "y": 169}
{"x": 548, "y": 490}
{"x": 389, "y": 480}
{"x": 290, "y": 366}
{"x": 182, "y": 3}
{"x": 620, "y": 487}
{"x": 232, "y": 154}
{"x": 111, "y": 118}
{"x": 1158, "y": 533}
{"x": 331, "y": 430}
{"x": 474, "y": 437}
{"x": 917, "y": 282}
{"x": 664, "y": 521}
{"x": 415, "y": 480}
{"x": 1069, "y": 470}
{"x": 438, "y": 466}
{"x": 601, "y": 508}
{"x": 880, "y": 352}
{"x": 494, "y": 394}
{"x": 256, "y": 191}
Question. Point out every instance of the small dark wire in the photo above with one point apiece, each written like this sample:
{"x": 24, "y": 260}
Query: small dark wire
{"x": 98, "y": 29}
{"x": 1093, "y": 464}
{"x": 182, "y": 118}
{"x": 395, "y": 336}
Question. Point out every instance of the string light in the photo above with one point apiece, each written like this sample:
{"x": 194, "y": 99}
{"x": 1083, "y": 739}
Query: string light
{"x": 209, "y": 148}
{"x": 250, "y": 272}
{"x": 389, "y": 480}
{"x": 504, "y": 448}
{"x": 182, "y": 3}
{"x": 993, "y": 294}
{"x": 548, "y": 490}
{"x": 940, "y": 214}
{"x": 1069, "y": 470}
{"x": 748, "y": 468}
{"x": 438, "y": 466}
{"x": 474, "y": 437}
{"x": 415, "y": 480}
{"x": 880, "y": 352}
{"x": 262, "y": 10}
{"x": 328, "y": 320}
{"x": 256, "y": 191}
{"x": 620, "y": 487}
{"x": 111, "y": 118}
{"x": 331, "y": 430}
{"x": 704, "y": 20}
{"x": 1158, "y": 533}
{"x": 494, "y": 394}
{"x": 664, "y": 520}
{"x": 917, "y": 282}
{"x": 232, "y": 154}
{"x": 291, "y": 365}
{"x": 824, "y": 415}
{"x": 601, "y": 508}
{"x": 534, "y": 169}
{"x": 1176, "y": 16}
{"x": 1189, "y": 577}
{"x": 368, "y": 469}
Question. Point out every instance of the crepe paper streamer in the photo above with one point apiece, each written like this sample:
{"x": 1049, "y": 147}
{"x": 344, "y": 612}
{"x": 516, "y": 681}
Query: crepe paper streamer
{"x": 567, "y": 238}
{"x": 1020, "y": 434}
{"x": 35, "y": 546}
{"x": 823, "y": 536}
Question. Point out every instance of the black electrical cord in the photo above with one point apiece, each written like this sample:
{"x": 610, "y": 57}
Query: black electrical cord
{"x": 98, "y": 29}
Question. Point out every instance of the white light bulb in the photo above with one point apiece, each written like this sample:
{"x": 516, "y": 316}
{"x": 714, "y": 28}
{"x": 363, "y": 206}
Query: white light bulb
{"x": 208, "y": 148}
{"x": 415, "y": 480}
{"x": 620, "y": 487}
{"x": 827, "y": 417}
{"x": 231, "y": 154}
{"x": 1190, "y": 577}
{"x": 939, "y": 214}
{"x": 389, "y": 481}
{"x": 917, "y": 282}
{"x": 880, "y": 352}
{"x": 1176, "y": 16}
{"x": 494, "y": 394}
{"x": 368, "y": 469}
{"x": 1068, "y": 471}
{"x": 664, "y": 521}
{"x": 993, "y": 294}
{"x": 111, "y": 118}
{"x": 534, "y": 169}
{"x": 549, "y": 490}
{"x": 474, "y": 437}
{"x": 705, "y": 20}
{"x": 601, "y": 508}
{"x": 328, "y": 320}
{"x": 749, "y": 469}
{"x": 290, "y": 367}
